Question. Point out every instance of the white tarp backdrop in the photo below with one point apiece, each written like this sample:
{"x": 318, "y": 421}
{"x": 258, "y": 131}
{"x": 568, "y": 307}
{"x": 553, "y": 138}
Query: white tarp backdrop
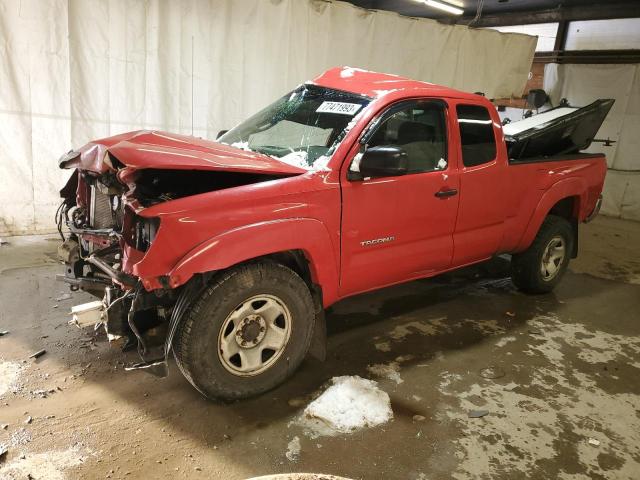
{"x": 581, "y": 85}
{"x": 73, "y": 71}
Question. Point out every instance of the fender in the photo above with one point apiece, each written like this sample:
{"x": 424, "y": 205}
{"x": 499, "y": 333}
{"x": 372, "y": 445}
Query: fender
{"x": 264, "y": 238}
{"x": 570, "y": 187}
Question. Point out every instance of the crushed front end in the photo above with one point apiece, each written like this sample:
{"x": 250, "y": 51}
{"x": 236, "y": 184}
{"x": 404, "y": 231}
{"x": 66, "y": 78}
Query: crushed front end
{"x": 124, "y": 232}
{"x": 103, "y": 237}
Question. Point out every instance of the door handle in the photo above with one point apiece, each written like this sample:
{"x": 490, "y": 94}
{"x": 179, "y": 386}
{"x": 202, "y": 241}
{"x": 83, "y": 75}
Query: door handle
{"x": 446, "y": 193}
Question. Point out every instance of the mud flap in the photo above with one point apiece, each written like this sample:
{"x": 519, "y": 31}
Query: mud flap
{"x": 318, "y": 347}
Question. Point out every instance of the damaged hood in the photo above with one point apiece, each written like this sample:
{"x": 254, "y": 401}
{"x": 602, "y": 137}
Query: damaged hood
{"x": 161, "y": 150}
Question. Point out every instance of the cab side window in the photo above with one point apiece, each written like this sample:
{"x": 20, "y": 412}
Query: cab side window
{"x": 476, "y": 135}
{"x": 419, "y": 129}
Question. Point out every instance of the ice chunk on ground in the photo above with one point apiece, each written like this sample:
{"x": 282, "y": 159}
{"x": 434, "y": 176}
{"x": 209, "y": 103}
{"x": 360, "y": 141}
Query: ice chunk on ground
{"x": 293, "y": 449}
{"x": 349, "y": 404}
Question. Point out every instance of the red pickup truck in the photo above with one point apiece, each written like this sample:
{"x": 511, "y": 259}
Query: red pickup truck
{"x": 351, "y": 182}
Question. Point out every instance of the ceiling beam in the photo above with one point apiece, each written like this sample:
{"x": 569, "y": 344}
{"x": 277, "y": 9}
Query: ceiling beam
{"x": 588, "y": 56}
{"x": 598, "y": 11}
{"x": 561, "y": 36}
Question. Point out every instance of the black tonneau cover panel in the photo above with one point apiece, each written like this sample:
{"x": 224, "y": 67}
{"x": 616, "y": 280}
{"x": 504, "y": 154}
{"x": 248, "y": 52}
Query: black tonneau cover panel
{"x": 571, "y": 131}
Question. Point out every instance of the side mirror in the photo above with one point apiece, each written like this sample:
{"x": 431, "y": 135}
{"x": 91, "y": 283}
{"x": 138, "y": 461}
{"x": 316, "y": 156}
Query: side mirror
{"x": 220, "y": 133}
{"x": 384, "y": 161}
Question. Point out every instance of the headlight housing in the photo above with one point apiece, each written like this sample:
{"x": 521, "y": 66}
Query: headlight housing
{"x": 144, "y": 232}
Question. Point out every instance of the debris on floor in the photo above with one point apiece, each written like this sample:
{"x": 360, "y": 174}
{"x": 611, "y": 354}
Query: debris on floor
{"x": 64, "y": 296}
{"x": 478, "y": 413}
{"x": 87, "y": 314}
{"x": 43, "y": 393}
{"x": 3, "y": 333}
{"x": 594, "y": 442}
{"x": 293, "y": 450}
{"x": 38, "y": 354}
{"x": 349, "y": 404}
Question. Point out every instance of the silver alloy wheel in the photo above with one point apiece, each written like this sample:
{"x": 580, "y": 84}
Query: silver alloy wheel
{"x": 552, "y": 258}
{"x": 254, "y": 335}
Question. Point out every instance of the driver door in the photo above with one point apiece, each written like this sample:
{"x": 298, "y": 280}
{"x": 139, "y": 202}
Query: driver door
{"x": 398, "y": 228}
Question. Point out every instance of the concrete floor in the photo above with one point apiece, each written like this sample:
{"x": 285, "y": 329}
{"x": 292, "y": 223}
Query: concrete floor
{"x": 564, "y": 400}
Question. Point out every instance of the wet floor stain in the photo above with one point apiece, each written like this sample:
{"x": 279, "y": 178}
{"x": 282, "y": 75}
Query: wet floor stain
{"x": 554, "y": 372}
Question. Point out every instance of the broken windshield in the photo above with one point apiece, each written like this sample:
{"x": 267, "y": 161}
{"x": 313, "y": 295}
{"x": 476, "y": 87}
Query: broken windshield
{"x": 300, "y": 127}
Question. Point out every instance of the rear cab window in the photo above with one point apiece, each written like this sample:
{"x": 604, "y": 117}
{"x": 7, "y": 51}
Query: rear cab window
{"x": 476, "y": 135}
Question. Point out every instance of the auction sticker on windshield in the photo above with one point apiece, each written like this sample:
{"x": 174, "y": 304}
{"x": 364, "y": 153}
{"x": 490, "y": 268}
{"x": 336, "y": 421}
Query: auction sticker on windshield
{"x": 341, "y": 108}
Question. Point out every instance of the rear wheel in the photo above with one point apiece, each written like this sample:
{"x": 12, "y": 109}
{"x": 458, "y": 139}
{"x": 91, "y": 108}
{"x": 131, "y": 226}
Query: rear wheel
{"x": 247, "y": 332}
{"x": 539, "y": 268}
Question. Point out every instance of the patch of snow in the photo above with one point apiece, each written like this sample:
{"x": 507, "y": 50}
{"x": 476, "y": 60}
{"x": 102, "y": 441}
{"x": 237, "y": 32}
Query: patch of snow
{"x": 349, "y": 404}
{"x": 347, "y": 72}
{"x": 390, "y": 371}
{"x": 382, "y": 93}
{"x": 241, "y": 145}
{"x": 293, "y": 450}
{"x": 504, "y": 340}
{"x": 404, "y": 358}
{"x": 320, "y": 165}
{"x": 297, "y": 158}
{"x": 50, "y": 465}
{"x": 9, "y": 374}
{"x": 447, "y": 380}
{"x": 383, "y": 346}
{"x": 563, "y": 400}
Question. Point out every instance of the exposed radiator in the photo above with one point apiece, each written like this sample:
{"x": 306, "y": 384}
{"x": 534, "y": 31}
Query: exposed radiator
{"x": 100, "y": 215}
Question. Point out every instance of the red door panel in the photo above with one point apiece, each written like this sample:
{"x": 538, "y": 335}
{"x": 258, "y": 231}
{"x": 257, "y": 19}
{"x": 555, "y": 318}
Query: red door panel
{"x": 396, "y": 229}
{"x": 480, "y": 225}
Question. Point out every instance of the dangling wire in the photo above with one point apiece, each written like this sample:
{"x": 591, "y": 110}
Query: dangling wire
{"x": 61, "y": 213}
{"x": 478, "y": 13}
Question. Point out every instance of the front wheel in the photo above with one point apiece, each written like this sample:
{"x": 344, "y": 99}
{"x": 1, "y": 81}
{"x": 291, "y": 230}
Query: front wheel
{"x": 539, "y": 268}
{"x": 247, "y": 332}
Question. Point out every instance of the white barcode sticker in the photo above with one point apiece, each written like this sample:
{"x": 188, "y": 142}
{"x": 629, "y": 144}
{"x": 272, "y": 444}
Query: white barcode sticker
{"x": 340, "y": 108}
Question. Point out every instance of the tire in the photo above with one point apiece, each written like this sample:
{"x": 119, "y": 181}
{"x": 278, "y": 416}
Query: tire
{"x": 527, "y": 270}
{"x": 203, "y": 351}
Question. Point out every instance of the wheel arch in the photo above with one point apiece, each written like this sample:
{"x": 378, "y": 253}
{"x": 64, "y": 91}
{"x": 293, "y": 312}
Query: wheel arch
{"x": 302, "y": 244}
{"x": 564, "y": 199}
